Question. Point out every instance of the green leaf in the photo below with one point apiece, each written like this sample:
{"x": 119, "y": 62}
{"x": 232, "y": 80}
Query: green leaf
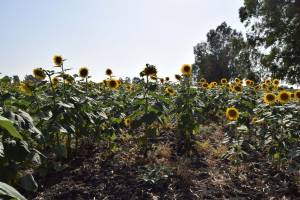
{"x": 242, "y": 128}
{"x": 8, "y": 191}
{"x": 15, "y": 150}
{"x": 8, "y": 125}
{"x": 28, "y": 183}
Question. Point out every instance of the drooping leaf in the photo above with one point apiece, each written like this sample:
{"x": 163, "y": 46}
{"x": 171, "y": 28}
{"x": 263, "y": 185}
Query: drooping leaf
{"x": 8, "y": 191}
{"x": 28, "y": 183}
{"x": 8, "y": 125}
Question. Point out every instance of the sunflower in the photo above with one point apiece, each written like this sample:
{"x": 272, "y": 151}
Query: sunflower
{"x": 120, "y": 82}
{"x": 257, "y": 87}
{"x": 283, "y": 97}
{"x": 83, "y": 72}
{"x": 276, "y": 82}
{"x": 108, "y": 72}
{"x": 25, "y": 89}
{"x": 268, "y": 82}
{"x": 202, "y": 80}
{"x": 297, "y": 94}
{"x": 39, "y": 74}
{"x": 128, "y": 87}
{"x": 178, "y": 77}
{"x": 167, "y": 78}
{"x": 237, "y": 80}
{"x": 58, "y": 60}
{"x": 150, "y": 70}
{"x": 213, "y": 84}
{"x": 113, "y": 84}
{"x": 153, "y": 77}
{"x": 232, "y": 114}
{"x": 254, "y": 120}
{"x": 227, "y": 85}
{"x": 223, "y": 81}
{"x": 238, "y": 88}
{"x": 55, "y": 81}
{"x": 292, "y": 95}
{"x": 69, "y": 79}
{"x": 269, "y": 98}
{"x": 186, "y": 70}
{"x": 127, "y": 122}
{"x": 170, "y": 91}
{"x": 248, "y": 82}
{"x": 205, "y": 85}
{"x": 162, "y": 80}
{"x": 251, "y": 83}
{"x": 264, "y": 86}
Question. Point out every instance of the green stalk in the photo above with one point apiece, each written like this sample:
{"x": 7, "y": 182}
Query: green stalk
{"x": 53, "y": 89}
{"x": 64, "y": 84}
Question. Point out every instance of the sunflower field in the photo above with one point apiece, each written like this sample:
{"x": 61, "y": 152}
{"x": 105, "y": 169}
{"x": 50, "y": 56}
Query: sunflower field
{"x": 65, "y": 136}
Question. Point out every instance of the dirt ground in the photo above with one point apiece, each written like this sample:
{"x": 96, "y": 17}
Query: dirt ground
{"x": 96, "y": 173}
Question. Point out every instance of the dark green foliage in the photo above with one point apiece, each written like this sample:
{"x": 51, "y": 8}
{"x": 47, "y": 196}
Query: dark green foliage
{"x": 275, "y": 27}
{"x": 225, "y": 54}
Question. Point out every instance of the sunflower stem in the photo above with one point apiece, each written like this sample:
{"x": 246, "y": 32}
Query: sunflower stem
{"x": 64, "y": 84}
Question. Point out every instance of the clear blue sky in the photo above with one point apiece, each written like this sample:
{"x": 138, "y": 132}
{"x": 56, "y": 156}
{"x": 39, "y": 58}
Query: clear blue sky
{"x": 121, "y": 34}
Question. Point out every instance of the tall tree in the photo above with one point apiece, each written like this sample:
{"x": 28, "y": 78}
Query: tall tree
{"x": 274, "y": 27}
{"x": 225, "y": 54}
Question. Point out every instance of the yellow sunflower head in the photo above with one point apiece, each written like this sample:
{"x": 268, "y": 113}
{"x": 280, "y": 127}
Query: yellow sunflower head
{"x": 113, "y": 84}
{"x": 228, "y": 86}
{"x": 39, "y": 74}
{"x": 264, "y": 86}
{"x": 268, "y": 81}
{"x": 127, "y": 122}
{"x": 237, "y": 80}
{"x": 55, "y": 81}
{"x": 297, "y": 95}
{"x": 128, "y": 87}
{"x": 58, "y": 60}
{"x": 25, "y": 89}
{"x": 83, "y": 72}
{"x": 170, "y": 91}
{"x": 108, "y": 72}
{"x": 257, "y": 87}
{"x": 153, "y": 77}
{"x": 205, "y": 85}
{"x": 292, "y": 95}
{"x": 150, "y": 70}
{"x": 269, "y": 98}
{"x": 248, "y": 82}
{"x": 202, "y": 80}
{"x": 178, "y": 77}
{"x": 238, "y": 88}
{"x": 232, "y": 114}
{"x": 254, "y": 120}
{"x": 120, "y": 82}
{"x": 186, "y": 69}
{"x": 276, "y": 82}
{"x": 223, "y": 81}
{"x": 69, "y": 79}
{"x": 283, "y": 97}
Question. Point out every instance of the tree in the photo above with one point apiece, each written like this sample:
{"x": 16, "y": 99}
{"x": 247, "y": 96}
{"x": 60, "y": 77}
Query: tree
{"x": 225, "y": 54}
{"x": 275, "y": 29}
